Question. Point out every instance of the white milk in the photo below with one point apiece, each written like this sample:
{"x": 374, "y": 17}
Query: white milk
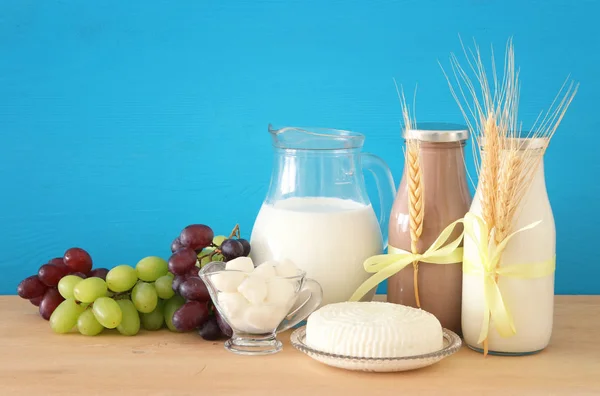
{"x": 530, "y": 301}
{"x": 329, "y": 238}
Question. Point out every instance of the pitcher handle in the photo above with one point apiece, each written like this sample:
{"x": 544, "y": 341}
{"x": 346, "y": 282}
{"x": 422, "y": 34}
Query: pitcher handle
{"x": 310, "y": 297}
{"x": 385, "y": 187}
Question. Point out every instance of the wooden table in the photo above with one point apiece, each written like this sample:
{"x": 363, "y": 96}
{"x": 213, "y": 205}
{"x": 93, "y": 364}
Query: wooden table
{"x": 34, "y": 361}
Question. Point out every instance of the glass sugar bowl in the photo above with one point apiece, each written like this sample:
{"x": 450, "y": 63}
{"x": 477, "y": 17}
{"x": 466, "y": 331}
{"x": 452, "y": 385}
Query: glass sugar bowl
{"x": 259, "y": 302}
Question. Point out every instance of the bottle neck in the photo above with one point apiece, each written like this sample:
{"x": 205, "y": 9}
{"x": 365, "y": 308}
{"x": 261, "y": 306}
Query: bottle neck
{"x": 531, "y": 175}
{"x": 443, "y": 165}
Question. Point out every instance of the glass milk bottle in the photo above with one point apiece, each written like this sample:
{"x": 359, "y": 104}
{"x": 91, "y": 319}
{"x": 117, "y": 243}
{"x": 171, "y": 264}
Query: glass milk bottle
{"x": 446, "y": 199}
{"x": 317, "y": 212}
{"x": 530, "y": 301}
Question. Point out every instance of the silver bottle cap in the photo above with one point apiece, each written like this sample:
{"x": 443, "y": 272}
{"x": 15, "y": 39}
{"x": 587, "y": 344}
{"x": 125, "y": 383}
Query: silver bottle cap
{"x": 437, "y": 132}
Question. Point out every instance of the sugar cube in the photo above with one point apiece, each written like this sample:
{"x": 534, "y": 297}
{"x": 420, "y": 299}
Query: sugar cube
{"x": 244, "y": 264}
{"x": 266, "y": 269}
{"x": 263, "y": 319}
{"x": 228, "y": 281}
{"x": 280, "y": 291}
{"x": 233, "y": 305}
{"x": 286, "y": 268}
{"x": 254, "y": 289}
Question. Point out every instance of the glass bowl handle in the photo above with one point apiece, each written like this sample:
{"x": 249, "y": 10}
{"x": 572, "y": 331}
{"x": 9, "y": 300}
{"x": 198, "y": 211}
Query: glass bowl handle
{"x": 310, "y": 296}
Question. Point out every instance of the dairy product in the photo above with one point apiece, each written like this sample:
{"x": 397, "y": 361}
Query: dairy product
{"x": 446, "y": 199}
{"x": 529, "y": 301}
{"x": 373, "y": 329}
{"x": 329, "y": 238}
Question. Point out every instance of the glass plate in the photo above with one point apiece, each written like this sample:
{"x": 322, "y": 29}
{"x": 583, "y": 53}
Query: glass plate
{"x": 451, "y": 345}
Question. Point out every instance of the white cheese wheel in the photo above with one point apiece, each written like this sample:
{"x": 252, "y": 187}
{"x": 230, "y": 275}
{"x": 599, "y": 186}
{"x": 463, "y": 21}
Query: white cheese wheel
{"x": 373, "y": 329}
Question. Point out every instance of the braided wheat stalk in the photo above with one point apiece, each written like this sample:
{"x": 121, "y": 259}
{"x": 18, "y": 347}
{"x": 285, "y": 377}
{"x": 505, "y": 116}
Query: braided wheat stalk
{"x": 416, "y": 204}
{"x": 416, "y": 207}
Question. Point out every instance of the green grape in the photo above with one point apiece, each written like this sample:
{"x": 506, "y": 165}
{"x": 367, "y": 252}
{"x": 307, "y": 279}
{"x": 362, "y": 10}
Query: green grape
{"x": 172, "y": 305}
{"x": 155, "y": 319}
{"x": 67, "y": 284}
{"x": 88, "y": 290}
{"x": 205, "y": 260}
{"x": 151, "y": 268}
{"x": 164, "y": 287}
{"x": 172, "y": 275}
{"x": 88, "y": 325}
{"x": 121, "y": 278}
{"x": 65, "y": 316}
{"x": 130, "y": 325}
{"x": 144, "y": 297}
{"x": 218, "y": 240}
{"x": 107, "y": 312}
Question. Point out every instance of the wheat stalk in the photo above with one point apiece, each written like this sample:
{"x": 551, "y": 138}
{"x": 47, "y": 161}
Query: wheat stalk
{"x": 416, "y": 204}
{"x": 415, "y": 193}
{"x": 489, "y": 170}
{"x": 416, "y": 207}
{"x": 504, "y": 165}
{"x": 510, "y": 179}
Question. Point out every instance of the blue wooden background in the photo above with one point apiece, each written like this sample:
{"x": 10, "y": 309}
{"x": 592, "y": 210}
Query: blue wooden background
{"x": 123, "y": 121}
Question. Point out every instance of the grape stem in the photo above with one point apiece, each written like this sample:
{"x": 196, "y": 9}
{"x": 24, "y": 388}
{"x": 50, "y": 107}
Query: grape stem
{"x": 235, "y": 232}
{"x": 209, "y": 255}
{"x": 120, "y": 295}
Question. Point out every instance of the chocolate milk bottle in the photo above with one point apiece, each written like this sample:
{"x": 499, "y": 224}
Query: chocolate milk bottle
{"x": 446, "y": 199}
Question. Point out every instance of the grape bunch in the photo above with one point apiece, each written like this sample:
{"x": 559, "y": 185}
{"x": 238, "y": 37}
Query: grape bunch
{"x": 195, "y": 247}
{"x": 127, "y": 299}
{"x": 42, "y": 289}
{"x": 70, "y": 294}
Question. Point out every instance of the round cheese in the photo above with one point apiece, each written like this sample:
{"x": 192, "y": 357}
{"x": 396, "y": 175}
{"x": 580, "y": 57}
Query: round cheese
{"x": 373, "y": 329}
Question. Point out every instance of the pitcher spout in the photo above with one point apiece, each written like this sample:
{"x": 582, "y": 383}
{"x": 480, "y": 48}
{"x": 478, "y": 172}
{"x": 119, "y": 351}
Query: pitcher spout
{"x": 301, "y": 138}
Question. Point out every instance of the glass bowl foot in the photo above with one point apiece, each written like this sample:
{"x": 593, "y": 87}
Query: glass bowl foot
{"x": 245, "y": 345}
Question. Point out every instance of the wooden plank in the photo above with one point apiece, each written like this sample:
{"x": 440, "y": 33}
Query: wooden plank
{"x": 34, "y": 361}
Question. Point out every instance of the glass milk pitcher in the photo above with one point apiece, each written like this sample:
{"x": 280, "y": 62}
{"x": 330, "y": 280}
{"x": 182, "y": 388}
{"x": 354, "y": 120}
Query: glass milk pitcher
{"x": 317, "y": 212}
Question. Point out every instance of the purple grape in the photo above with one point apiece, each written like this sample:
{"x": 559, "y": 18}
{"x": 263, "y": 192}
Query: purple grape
{"x": 182, "y": 261}
{"x": 194, "y": 289}
{"x": 232, "y": 249}
{"x": 79, "y": 274}
{"x": 78, "y": 260}
{"x": 176, "y": 245}
{"x": 246, "y": 246}
{"x": 190, "y": 316}
{"x": 225, "y": 328}
{"x": 193, "y": 272}
{"x": 50, "y": 274}
{"x": 36, "y": 300}
{"x": 31, "y": 287}
{"x": 209, "y": 330}
{"x": 196, "y": 236}
{"x": 56, "y": 261}
{"x": 51, "y": 300}
{"x": 177, "y": 281}
{"x": 98, "y": 273}
{"x": 61, "y": 265}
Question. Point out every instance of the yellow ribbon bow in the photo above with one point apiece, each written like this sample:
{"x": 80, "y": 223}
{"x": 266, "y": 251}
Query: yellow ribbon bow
{"x": 386, "y": 265}
{"x": 486, "y": 265}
